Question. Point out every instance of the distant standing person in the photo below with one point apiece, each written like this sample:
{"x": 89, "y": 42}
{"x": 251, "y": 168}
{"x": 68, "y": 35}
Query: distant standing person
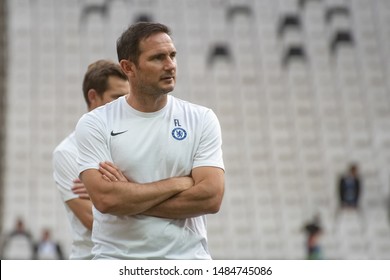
{"x": 350, "y": 188}
{"x": 104, "y": 81}
{"x": 18, "y": 244}
{"x": 47, "y": 248}
{"x": 313, "y": 231}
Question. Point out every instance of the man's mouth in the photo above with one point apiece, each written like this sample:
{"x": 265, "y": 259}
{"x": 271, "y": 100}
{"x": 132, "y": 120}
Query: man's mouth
{"x": 167, "y": 78}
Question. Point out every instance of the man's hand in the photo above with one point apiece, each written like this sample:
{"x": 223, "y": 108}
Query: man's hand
{"x": 111, "y": 173}
{"x": 79, "y": 189}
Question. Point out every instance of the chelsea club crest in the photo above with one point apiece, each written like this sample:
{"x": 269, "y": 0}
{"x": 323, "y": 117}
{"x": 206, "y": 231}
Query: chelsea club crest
{"x": 179, "y": 133}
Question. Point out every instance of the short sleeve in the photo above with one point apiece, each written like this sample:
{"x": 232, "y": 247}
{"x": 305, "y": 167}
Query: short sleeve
{"x": 209, "y": 152}
{"x": 92, "y": 142}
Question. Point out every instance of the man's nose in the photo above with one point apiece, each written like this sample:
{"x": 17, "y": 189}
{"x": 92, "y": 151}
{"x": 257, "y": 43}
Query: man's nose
{"x": 170, "y": 64}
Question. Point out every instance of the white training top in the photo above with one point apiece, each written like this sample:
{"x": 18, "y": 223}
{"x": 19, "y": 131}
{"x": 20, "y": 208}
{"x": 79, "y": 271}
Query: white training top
{"x": 148, "y": 147}
{"x": 65, "y": 171}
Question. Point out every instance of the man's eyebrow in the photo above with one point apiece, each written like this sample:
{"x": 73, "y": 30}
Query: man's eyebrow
{"x": 163, "y": 53}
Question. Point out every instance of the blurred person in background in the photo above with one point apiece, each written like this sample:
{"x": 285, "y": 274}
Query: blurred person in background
{"x": 104, "y": 81}
{"x": 169, "y": 149}
{"x": 18, "y": 244}
{"x": 350, "y": 188}
{"x": 313, "y": 231}
{"x": 47, "y": 248}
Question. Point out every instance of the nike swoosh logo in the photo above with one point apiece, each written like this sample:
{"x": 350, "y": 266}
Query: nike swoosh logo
{"x": 117, "y": 133}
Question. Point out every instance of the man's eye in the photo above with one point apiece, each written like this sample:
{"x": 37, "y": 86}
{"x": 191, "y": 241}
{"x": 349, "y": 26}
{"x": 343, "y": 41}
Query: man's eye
{"x": 159, "y": 57}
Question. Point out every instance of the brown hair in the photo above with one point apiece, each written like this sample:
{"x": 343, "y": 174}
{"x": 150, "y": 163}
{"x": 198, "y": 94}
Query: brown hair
{"x": 127, "y": 45}
{"x": 97, "y": 76}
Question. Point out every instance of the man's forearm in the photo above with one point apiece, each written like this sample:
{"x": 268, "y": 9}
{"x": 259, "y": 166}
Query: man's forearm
{"x": 186, "y": 204}
{"x": 205, "y": 197}
{"x": 176, "y": 207}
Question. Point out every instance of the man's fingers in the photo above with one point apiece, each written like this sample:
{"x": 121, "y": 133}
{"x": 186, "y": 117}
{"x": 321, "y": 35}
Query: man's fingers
{"x": 110, "y": 171}
{"x": 106, "y": 178}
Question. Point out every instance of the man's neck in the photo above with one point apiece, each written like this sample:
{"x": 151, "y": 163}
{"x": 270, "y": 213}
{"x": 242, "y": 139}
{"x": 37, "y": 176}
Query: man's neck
{"x": 147, "y": 104}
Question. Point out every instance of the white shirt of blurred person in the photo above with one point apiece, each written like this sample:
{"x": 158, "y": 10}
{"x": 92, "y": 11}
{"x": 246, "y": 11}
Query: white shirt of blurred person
{"x": 168, "y": 149}
{"x": 18, "y": 244}
{"x": 104, "y": 81}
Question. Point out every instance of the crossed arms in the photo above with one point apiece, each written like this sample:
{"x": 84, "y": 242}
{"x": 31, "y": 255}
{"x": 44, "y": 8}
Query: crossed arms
{"x": 175, "y": 198}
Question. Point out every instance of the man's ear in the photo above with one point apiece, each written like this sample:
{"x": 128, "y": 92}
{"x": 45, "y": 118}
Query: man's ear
{"x": 127, "y": 67}
{"x": 92, "y": 96}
